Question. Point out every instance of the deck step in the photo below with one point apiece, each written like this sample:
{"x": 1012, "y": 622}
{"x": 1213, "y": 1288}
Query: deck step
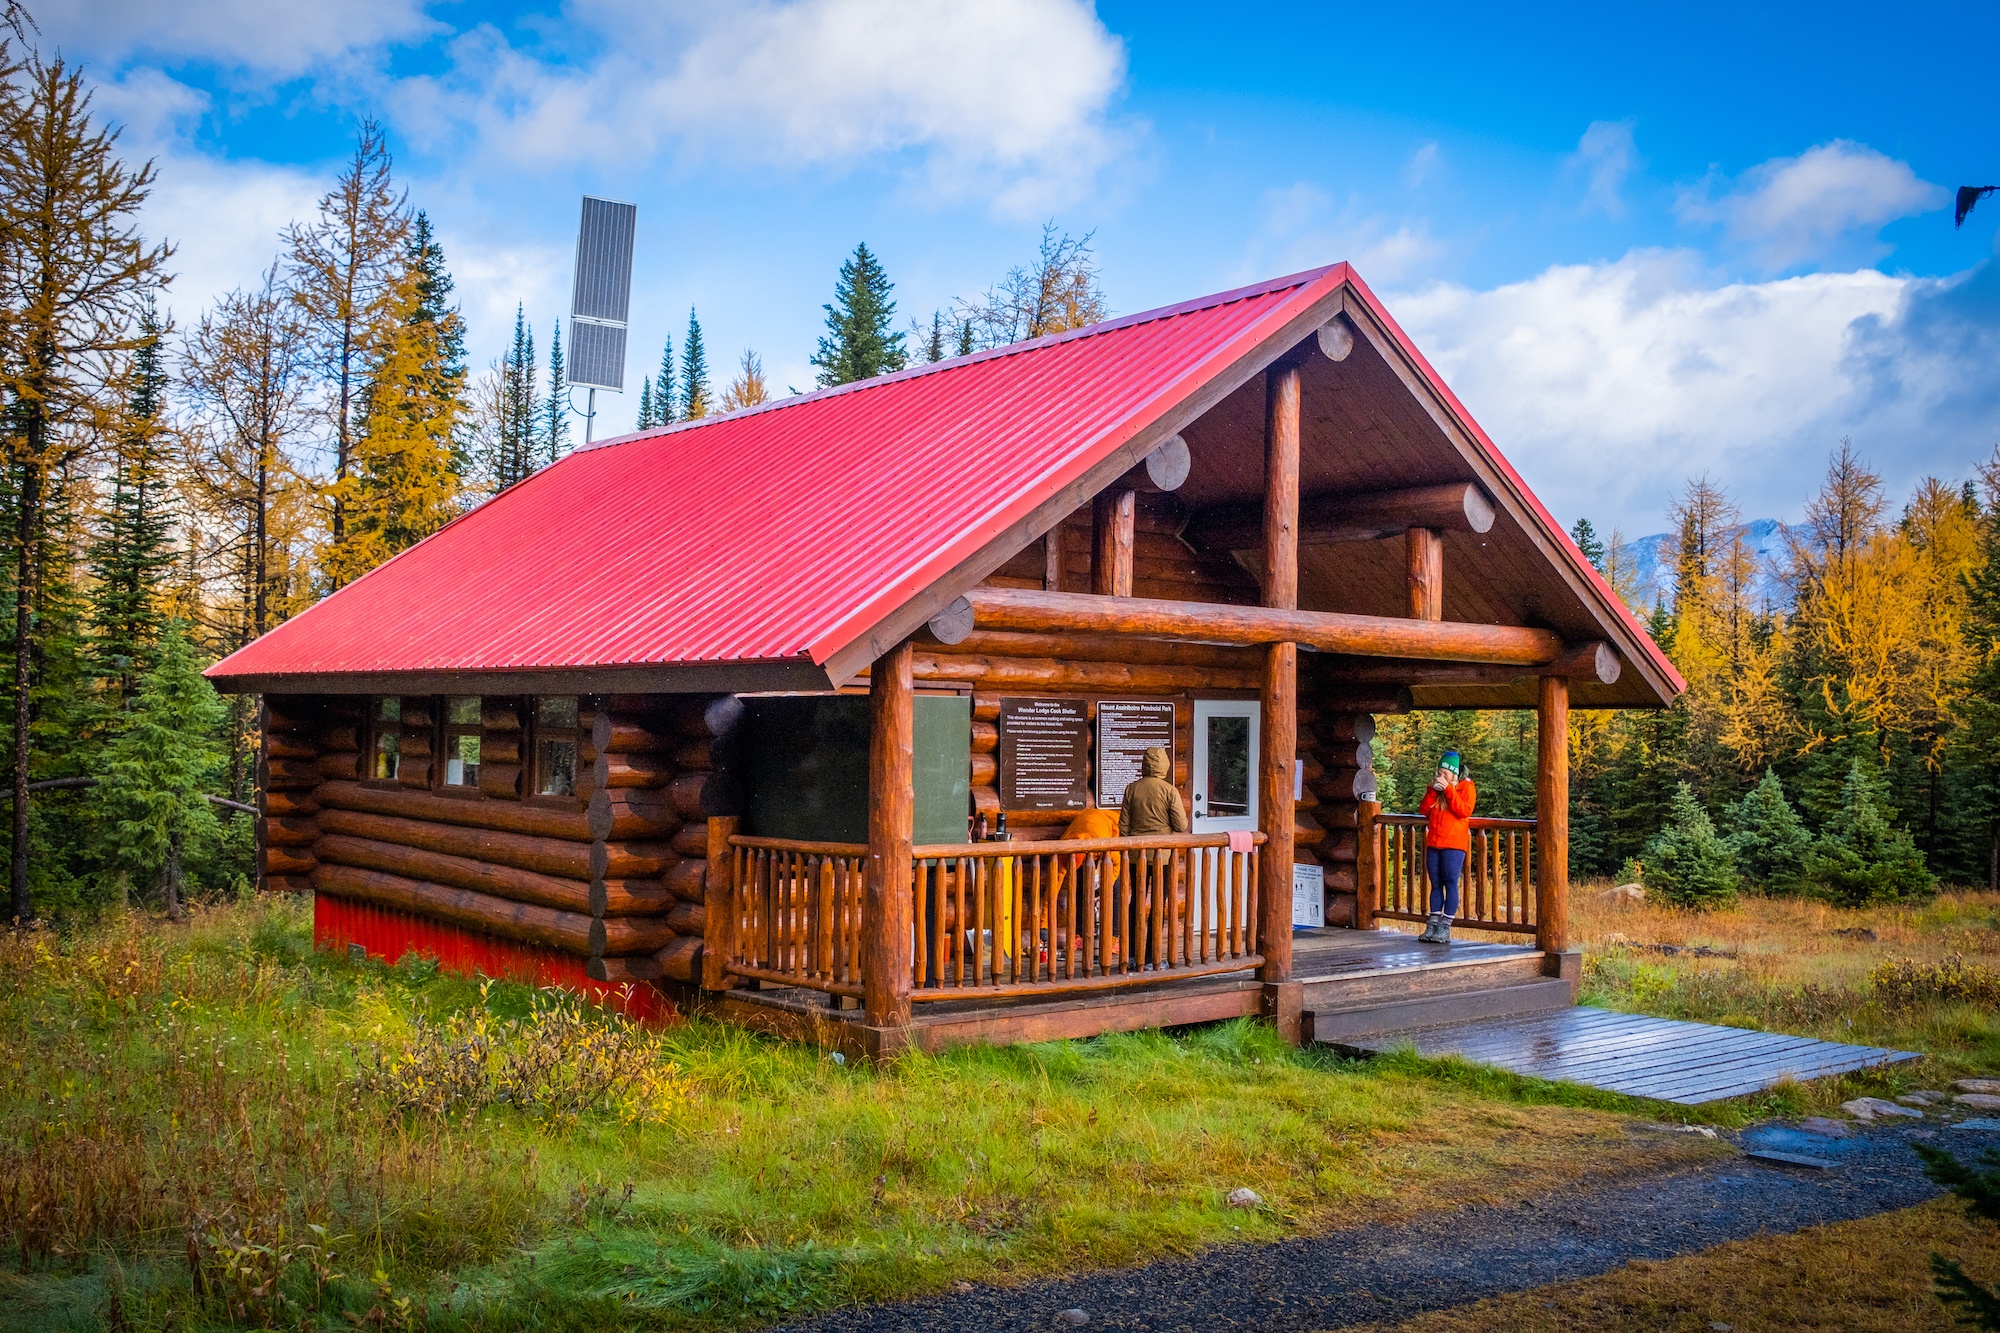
{"x": 1356, "y": 989}
{"x": 1333, "y": 1026}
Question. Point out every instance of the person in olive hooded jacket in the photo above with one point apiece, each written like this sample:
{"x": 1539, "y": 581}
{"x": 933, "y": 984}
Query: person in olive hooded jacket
{"x": 1152, "y": 803}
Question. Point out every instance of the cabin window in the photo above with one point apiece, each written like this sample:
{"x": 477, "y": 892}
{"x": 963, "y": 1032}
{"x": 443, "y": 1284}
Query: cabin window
{"x": 385, "y": 726}
{"x": 461, "y": 741}
{"x": 555, "y": 746}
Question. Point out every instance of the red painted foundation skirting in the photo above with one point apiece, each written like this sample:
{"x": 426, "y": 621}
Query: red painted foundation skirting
{"x": 389, "y": 934}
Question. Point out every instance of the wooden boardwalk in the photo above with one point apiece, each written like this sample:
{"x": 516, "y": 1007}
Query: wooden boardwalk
{"x": 1640, "y": 1055}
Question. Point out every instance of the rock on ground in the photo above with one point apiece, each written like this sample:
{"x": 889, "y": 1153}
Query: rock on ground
{"x": 1867, "y": 1108}
{"x": 1985, "y": 1085}
{"x": 1978, "y": 1101}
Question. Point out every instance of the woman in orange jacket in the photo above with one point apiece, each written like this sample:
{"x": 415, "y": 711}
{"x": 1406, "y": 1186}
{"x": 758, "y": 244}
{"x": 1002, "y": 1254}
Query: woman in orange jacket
{"x": 1447, "y": 808}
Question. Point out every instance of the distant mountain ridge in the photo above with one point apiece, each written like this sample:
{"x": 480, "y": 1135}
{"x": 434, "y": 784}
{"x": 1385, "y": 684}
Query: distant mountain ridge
{"x": 1655, "y": 573}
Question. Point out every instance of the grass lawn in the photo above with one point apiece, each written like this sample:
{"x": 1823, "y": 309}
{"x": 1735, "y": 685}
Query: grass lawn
{"x": 210, "y": 1125}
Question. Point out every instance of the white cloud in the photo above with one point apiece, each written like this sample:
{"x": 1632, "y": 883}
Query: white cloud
{"x": 276, "y": 38}
{"x": 1828, "y": 200}
{"x": 1300, "y": 229}
{"x": 1421, "y": 164}
{"x": 223, "y": 219}
{"x": 1605, "y": 155}
{"x": 1002, "y": 99}
{"x": 1609, "y": 384}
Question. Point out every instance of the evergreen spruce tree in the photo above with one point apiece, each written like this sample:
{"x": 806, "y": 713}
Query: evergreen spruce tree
{"x": 517, "y": 407}
{"x": 157, "y": 773}
{"x": 1587, "y": 542}
{"x": 666, "y": 398}
{"x": 555, "y": 408}
{"x": 1768, "y": 838}
{"x": 1978, "y": 1187}
{"x": 646, "y": 421}
{"x": 965, "y": 338}
{"x": 860, "y": 342}
{"x": 132, "y": 552}
{"x": 696, "y": 398}
{"x": 1687, "y": 862}
{"x": 1977, "y": 746}
{"x": 1859, "y": 858}
{"x": 934, "y": 349}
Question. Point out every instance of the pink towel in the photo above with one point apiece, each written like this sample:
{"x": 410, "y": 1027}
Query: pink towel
{"x": 1239, "y": 841}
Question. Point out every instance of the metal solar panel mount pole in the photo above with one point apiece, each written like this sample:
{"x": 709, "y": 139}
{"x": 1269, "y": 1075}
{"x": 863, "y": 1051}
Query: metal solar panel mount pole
{"x": 600, "y": 300}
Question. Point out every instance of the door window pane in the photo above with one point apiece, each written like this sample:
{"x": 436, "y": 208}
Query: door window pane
{"x": 557, "y": 767}
{"x": 1228, "y": 766}
{"x": 385, "y": 723}
{"x": 461, "y": 765}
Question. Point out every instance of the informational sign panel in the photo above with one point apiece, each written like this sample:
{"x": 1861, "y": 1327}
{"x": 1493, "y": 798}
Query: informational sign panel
{"x": 1308, "y": 896}
{"x": 1125, "y": 731}
{"x": 1044, "y": 754}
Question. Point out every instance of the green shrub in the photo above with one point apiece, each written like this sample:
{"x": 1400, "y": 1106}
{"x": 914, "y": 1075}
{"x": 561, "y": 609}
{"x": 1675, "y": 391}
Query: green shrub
{"x": 1769, "y": 840}
{"x": 1860, "y": 859}
{"x": 1904, "y": 983}
{"x": 1687, "y": 861}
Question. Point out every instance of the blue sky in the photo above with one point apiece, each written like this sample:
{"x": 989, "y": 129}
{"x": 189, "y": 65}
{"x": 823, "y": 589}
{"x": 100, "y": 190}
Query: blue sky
{"x": 1711, "y": 240}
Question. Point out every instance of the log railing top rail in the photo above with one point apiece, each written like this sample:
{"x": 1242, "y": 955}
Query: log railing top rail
{"x": 1062, "y": 846}
{"x": 1476, "y": 821}
{"x": 1499, "y": 889}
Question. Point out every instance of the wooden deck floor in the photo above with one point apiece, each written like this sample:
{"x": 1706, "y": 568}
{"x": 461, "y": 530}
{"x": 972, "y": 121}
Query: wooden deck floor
{"x": 1641, "y": 1056}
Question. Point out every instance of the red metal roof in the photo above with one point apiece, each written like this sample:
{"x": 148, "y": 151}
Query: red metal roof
{"x": 782, "y": 533}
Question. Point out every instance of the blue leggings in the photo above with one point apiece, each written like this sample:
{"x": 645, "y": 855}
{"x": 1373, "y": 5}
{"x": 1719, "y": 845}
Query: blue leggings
{"x": 1444, "y": 865}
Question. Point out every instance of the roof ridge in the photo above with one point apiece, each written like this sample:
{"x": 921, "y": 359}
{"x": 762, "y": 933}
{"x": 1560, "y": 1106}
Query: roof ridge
{"x": 1114, "y": 325}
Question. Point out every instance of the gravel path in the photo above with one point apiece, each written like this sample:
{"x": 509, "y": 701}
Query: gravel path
{"x": 1366, "y": 1274}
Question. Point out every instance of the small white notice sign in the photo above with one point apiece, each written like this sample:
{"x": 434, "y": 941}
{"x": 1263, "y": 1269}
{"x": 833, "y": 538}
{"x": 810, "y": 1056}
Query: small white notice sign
{"x": 1308, "y": 896}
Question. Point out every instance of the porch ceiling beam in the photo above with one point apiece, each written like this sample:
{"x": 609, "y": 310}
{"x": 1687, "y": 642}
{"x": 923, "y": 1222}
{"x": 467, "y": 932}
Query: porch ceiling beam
{"x": 1595, "y": 661}
{"x": 1324, "y": 519}
{"x": 1029, "y": 611}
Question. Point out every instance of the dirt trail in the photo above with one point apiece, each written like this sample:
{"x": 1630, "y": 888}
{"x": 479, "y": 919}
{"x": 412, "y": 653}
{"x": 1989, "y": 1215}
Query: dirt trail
{"x": 1371, "y": 1274}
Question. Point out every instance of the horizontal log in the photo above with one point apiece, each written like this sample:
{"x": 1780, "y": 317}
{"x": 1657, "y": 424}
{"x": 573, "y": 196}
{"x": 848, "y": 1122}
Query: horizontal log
{"x": 985, "y": 769}
{"x": 1346, "y": 754}
{"x": 502, "y": 749}
{"x": 287, "y": 861}
{"x": 629, "y": 970}
{"x": 985, "y": 708}
{"x": 290, "y": 803}
{"x": 704, "y": 795}
{"x": 614, "y": 733}
{"x": 1346, "y": 784}
{"x": 630, "y": 934}
{"x": 1335, "y": 338}
{"x": 414, "y": 773}
{"x": 418, "y": 718}
{"x": 714, "y": 716}
{"x": 1365, "y": 699}
{"x": 568, "y": 932}
{"x": 986, "y": 801}
{"x": 616, "y": 770}
{"x": 283, "y": 745}
{"x": 1326, "y": 631}
{"x": 681, "y": 960}
{"x": 283, "y": 831}
{"x": 1340, "y": 845}
{"x": 1349, "y": 517}
{"x": 1306, "y": 832}
{"x": 499, "y": 715}
{"x": 1338, "y": 726}
{"x": 548, "y": 856}
{"x": 463, "y": 872}
{"x": 699, "y": 754}
{"x": 689, "y": 918}
{"x": 290, "y": 773}
{"x": 985, "y": 736}
{"x": 691, "y": 838}
{"x": 338, "y": 765}
{"x": 1595, "y": 660}
{"x": 293, "y": 714}
{"x": 687, "y": 879}
{"x": 1165, "y": 469}
{"x": 504, "y": 816}
{"x": 1030, "y": 673}
{"x": 634, "y": 813}
{"x": 631, "y": 860}
{"x": 340, "y": 736}
{"x": 288, "y": 883}
{"x": 629, "y": 897}
{"x": 1097, "y": 648}
{"x": 502, "y": 782}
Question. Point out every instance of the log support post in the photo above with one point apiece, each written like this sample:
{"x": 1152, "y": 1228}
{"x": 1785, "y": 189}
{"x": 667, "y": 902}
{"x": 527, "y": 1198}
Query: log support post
{"x": 1367, "y": 864}
{"x": 1278, "y": 701}
{"x": 1426, "y": 551}
{"x": 885, "y": 908}
{"x": 1552, "y": 828}
{"x": 719, "y": 897}
{"x": 1112, "y": 518}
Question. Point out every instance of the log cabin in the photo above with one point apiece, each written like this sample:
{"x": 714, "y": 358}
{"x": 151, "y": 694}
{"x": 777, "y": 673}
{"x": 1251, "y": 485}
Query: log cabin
{"x": 730, "y": 715}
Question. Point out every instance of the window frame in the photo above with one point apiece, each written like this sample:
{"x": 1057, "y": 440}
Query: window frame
{"x": 444, "y": 731}
{"x": 534, "y": 733}
{"x": 373, "y": 728}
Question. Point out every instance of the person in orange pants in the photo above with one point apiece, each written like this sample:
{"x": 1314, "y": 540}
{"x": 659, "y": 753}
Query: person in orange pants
{"x": 1447, "y": 810}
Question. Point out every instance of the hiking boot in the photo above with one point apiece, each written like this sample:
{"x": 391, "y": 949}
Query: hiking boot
{"x": 1430, "y": 930}
{"x": 1443, "y": 935}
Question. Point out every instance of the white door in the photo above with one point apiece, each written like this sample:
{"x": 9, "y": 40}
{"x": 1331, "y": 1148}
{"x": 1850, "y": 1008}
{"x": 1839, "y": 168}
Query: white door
{"x": 1225, "y": 765}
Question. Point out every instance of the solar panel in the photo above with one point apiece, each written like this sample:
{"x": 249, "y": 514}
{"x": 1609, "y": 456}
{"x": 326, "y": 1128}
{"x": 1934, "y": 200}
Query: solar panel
{"x": 601, "y": 298}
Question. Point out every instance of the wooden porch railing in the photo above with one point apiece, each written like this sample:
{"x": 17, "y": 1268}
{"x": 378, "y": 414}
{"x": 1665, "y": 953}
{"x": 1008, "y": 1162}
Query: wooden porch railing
{"x": 1002, "y": 918}
{"x": 1497, "y": 892}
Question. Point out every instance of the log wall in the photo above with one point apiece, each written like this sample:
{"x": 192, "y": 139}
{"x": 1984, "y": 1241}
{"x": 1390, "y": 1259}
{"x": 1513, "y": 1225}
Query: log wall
{"x": 614, "y": 875}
